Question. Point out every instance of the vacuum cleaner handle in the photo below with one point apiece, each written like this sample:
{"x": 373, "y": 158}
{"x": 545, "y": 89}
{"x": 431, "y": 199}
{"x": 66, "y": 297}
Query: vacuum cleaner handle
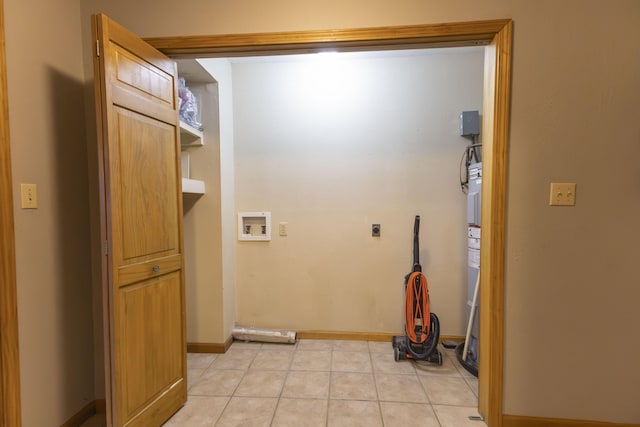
{"x": 416, "y": 245}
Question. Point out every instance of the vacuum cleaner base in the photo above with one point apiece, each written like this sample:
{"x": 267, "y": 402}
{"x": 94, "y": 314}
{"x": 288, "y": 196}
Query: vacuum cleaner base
{"x": 400, "y": 351}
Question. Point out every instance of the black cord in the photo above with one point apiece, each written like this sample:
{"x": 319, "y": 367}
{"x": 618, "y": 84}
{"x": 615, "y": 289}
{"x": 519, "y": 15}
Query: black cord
{"x": 464, "y": 173}
{"x": 470, "y": 153}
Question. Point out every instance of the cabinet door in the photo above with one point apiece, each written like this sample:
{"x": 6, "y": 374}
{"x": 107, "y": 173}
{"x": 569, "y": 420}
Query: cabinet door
{"x": 141, "y": 219}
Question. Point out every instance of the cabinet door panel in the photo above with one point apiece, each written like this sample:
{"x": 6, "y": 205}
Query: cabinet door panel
{"x": 142, "y": 77}
{"x": 145, "y": 170}
{"x": 150, "y": 325}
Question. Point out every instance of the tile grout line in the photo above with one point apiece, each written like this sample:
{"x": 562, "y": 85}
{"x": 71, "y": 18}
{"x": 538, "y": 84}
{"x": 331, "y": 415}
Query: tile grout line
{"x": 238, "y": 385}
{"x": 424, "y": 389}
{"x": 330, "y": 376}
{"x": 375, "y": 384}
{"x": 279, "y": 397}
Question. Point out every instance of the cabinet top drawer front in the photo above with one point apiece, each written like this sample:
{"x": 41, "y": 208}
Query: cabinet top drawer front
{"x": 127, "y": 275}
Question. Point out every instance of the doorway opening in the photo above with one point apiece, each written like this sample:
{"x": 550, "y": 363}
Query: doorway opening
{"x": 329, "y": 142}
{"x": 496, "y": 36}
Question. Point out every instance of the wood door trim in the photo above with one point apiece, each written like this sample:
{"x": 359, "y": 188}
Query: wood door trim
{"x": 206, "y": 347}
{"x": 497, "y": 95}
{"x": 10, "y": 408}
{"x": 105, "y": 284}
{"x": 524, "y": 421}
{"x": 461, "y": 33}
{"x": 497, "y": 34}
{"x": 88, "y": 411}
{"x": 361, "y": 336}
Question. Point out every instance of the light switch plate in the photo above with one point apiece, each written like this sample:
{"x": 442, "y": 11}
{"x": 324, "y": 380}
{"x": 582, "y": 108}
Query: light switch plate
{"x": 283, "y": 228}
{"x": 562, "y": 194}
{"x": 28, "y": 196}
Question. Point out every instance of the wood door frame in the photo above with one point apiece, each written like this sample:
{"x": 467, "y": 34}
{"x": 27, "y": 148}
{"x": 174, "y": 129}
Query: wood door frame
{"x": 496, "y": 35}
{"x": 10, "y": 409}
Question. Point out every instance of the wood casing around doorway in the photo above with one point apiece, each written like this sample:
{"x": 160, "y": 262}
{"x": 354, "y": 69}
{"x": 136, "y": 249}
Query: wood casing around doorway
{"x": 497, "y": 36}
{"x": 10, "y": 414}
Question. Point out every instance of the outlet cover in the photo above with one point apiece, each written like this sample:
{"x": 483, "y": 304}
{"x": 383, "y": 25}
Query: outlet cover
{"x": 562, "y": 194}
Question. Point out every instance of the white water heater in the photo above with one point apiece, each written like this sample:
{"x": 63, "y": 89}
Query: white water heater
{"x": 474, "y": 205}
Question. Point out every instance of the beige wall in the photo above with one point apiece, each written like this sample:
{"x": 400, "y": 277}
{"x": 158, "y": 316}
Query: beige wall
{"x": 571, "y": 277}
{"x": 570, "y": 271}
{"x": 46, "y": 89}
{"x": 331, "y": 145}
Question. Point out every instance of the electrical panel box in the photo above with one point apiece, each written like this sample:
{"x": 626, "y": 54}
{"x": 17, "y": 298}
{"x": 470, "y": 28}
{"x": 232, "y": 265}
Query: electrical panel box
{"x": 469, "y": 123}
{"x": 254, "y": 226}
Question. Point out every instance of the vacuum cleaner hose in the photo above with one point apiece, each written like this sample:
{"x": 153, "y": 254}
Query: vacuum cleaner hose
{"x": 431, "y": 343}
{"x": 417, "y": 309}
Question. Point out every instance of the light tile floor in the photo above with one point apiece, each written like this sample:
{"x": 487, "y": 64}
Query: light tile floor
{"x": 326, "y": 384}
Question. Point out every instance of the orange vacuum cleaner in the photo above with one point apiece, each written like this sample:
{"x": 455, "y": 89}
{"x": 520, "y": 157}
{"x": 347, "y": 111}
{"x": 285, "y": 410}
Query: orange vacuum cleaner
{"x": 421, "y": 326}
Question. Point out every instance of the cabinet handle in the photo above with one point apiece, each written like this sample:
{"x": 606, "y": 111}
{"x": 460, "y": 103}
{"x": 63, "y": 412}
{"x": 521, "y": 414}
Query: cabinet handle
{"x": 156, "y": 268}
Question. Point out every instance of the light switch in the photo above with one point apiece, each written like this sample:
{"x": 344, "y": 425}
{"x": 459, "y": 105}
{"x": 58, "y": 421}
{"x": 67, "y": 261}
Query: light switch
{"x": 562, "y": 194}
{"x": 29, "y": 196}
{"x": 282, "y": 228}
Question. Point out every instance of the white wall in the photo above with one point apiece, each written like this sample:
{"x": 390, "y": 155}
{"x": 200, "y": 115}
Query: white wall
{"x": 331, "y": 144}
